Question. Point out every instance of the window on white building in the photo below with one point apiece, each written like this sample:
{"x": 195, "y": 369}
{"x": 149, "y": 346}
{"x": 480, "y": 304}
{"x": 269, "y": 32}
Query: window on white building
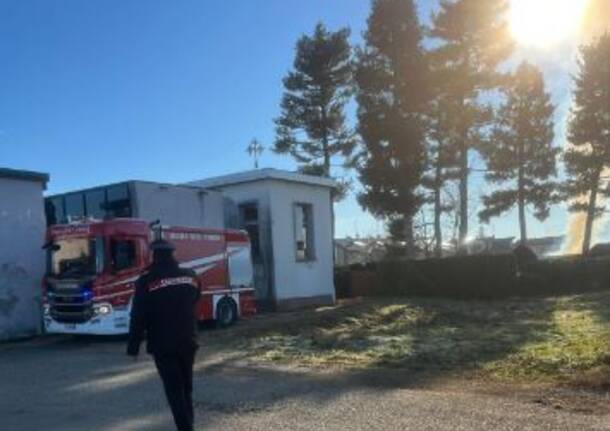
{"x": 303, "y": 232}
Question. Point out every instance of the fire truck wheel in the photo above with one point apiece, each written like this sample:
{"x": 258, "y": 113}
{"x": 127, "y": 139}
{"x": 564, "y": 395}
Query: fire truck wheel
{"x": 226, "y": 312}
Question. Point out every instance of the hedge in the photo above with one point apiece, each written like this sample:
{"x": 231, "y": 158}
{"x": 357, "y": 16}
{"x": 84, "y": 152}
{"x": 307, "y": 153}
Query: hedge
{"x": 460, "y": 277}
{"x": 570, "y": 275}
{"x": 475, "y": 277}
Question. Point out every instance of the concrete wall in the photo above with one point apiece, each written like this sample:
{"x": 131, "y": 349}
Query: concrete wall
{"x": 22, "y": 229}
{"x": 178, "y": 205}
{"x": 301, "y": 283}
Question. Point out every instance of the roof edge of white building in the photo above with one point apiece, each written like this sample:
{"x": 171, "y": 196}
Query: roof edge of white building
{"x": 19, "y": 174}
{"x": 263, "y": 174}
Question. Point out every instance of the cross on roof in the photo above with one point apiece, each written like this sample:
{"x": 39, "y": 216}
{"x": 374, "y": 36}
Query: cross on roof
{"x": 255, "y": 149}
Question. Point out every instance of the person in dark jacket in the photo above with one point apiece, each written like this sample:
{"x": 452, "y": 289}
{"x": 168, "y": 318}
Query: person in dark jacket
{"x": 164, "y": 309}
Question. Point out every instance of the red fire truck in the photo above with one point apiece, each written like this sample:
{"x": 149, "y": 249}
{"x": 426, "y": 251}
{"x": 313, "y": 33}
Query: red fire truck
{"x": 92, "y": 267}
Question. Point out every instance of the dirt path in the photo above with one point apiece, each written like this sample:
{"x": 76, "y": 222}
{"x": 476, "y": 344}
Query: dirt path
{"x": 68, "y": 384}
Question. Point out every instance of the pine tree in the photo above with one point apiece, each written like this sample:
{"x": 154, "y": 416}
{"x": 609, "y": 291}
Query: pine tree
{"x": 588, "y": 156}
{"x": 391, "y": 79}
{"x": 474, "y": 40}
{"x": 440, "y": 169}
{"x": 442, "y": 160}
{"x": 520, "y": 156}
{"x": 311, "y": 127}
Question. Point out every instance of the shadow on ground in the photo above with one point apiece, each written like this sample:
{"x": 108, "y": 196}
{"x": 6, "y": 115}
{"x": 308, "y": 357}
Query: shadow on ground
{"x": 75, "y": 383}
{"x": 426, "y": 339}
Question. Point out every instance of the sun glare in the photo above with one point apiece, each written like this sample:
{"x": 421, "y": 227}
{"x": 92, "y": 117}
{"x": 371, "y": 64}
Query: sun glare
{"x": 543, "y": 23}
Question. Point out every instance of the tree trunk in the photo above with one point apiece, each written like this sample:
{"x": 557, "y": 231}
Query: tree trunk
{"x": 409, "y": 238}
{"x": 438, "y": 234}
{"x": 326, "y": 154}
{"x": 521, "y": 197}
{"x": 463, "y": 195}
{"x": 326, "y": 163}
{"x": 522, "y": 223}
{"x": 586, "y": 243}
{"x": 325, "y": 145}
{"x": 332, "y": 224}
{"x": 332, "y": 205}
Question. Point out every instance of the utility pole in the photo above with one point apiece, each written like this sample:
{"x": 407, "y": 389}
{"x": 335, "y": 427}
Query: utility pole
{"x": 255, "y": 149}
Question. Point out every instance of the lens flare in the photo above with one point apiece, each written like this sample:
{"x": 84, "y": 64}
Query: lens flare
{"x": 544, "y": 23}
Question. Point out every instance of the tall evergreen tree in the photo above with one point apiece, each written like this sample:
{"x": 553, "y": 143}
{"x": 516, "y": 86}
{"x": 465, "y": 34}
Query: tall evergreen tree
{"x": 442, "y": 160}
{"x": 441, "y": 164}
{"x": 474, "y": 40}
{"x": 391, "y": 79}
{"x": 520, "y": 156}
{"x": 588, "y": 156}
{"x": 311, "y": 127}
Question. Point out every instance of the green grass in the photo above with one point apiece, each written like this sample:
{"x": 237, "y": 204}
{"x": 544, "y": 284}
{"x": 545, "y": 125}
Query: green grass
{"x": 575, "y": 346}
{"x": 547, "y": 339}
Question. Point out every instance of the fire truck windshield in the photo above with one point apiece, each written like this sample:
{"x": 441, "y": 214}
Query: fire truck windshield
{"x": 75, "y": 257}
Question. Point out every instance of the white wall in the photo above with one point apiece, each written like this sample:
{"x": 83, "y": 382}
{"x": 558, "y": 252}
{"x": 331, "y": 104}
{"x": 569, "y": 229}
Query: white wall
{"x": 178, "y": 205}
{"x": 294, "y": 279}
{"x": 22, "y": 230}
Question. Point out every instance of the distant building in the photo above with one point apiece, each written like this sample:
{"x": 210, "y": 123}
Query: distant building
{"x": 352, "y": 251}
{"x": 547, "y": 245}
{"x": 543, "y": 246}
{"x": 349, "y": 252}
{"x": 490, "y": 245}
{"x": 22, "y": 232}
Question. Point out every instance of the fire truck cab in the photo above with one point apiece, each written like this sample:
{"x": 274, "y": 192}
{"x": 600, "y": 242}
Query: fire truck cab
{"x": 92, "y": 267}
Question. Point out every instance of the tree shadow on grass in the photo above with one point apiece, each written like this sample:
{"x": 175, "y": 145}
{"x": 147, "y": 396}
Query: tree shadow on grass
{"x": 426, "y": 339}
{"x": 599, "y": 303}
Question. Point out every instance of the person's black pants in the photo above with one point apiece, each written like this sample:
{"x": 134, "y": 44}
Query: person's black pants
{"x": 176, "y": 371}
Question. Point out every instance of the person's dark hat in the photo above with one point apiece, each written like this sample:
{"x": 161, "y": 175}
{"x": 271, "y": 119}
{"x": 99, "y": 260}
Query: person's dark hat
{"x": 162, "y": 245}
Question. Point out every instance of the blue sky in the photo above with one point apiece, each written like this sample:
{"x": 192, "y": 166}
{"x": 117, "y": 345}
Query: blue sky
{"x": 101, "y": 91}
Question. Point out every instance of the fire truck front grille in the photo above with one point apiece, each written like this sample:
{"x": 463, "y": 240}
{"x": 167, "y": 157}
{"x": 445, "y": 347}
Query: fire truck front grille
{"x": 70, "y": 306}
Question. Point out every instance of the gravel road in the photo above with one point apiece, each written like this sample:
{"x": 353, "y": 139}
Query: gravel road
{"x": 65, "y": 384}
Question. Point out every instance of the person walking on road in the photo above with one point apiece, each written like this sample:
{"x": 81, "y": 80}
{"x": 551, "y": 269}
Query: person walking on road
{"x": 164, "y": 309}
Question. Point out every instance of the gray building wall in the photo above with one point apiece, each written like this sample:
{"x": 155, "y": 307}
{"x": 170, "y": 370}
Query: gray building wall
{"x": 178, "y": 205}
{"x": 22, "y": 230}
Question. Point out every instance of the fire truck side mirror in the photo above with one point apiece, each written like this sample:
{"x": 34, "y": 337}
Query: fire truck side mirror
{"x": 51, "y": 246}
{"x": 156, "y": 229}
